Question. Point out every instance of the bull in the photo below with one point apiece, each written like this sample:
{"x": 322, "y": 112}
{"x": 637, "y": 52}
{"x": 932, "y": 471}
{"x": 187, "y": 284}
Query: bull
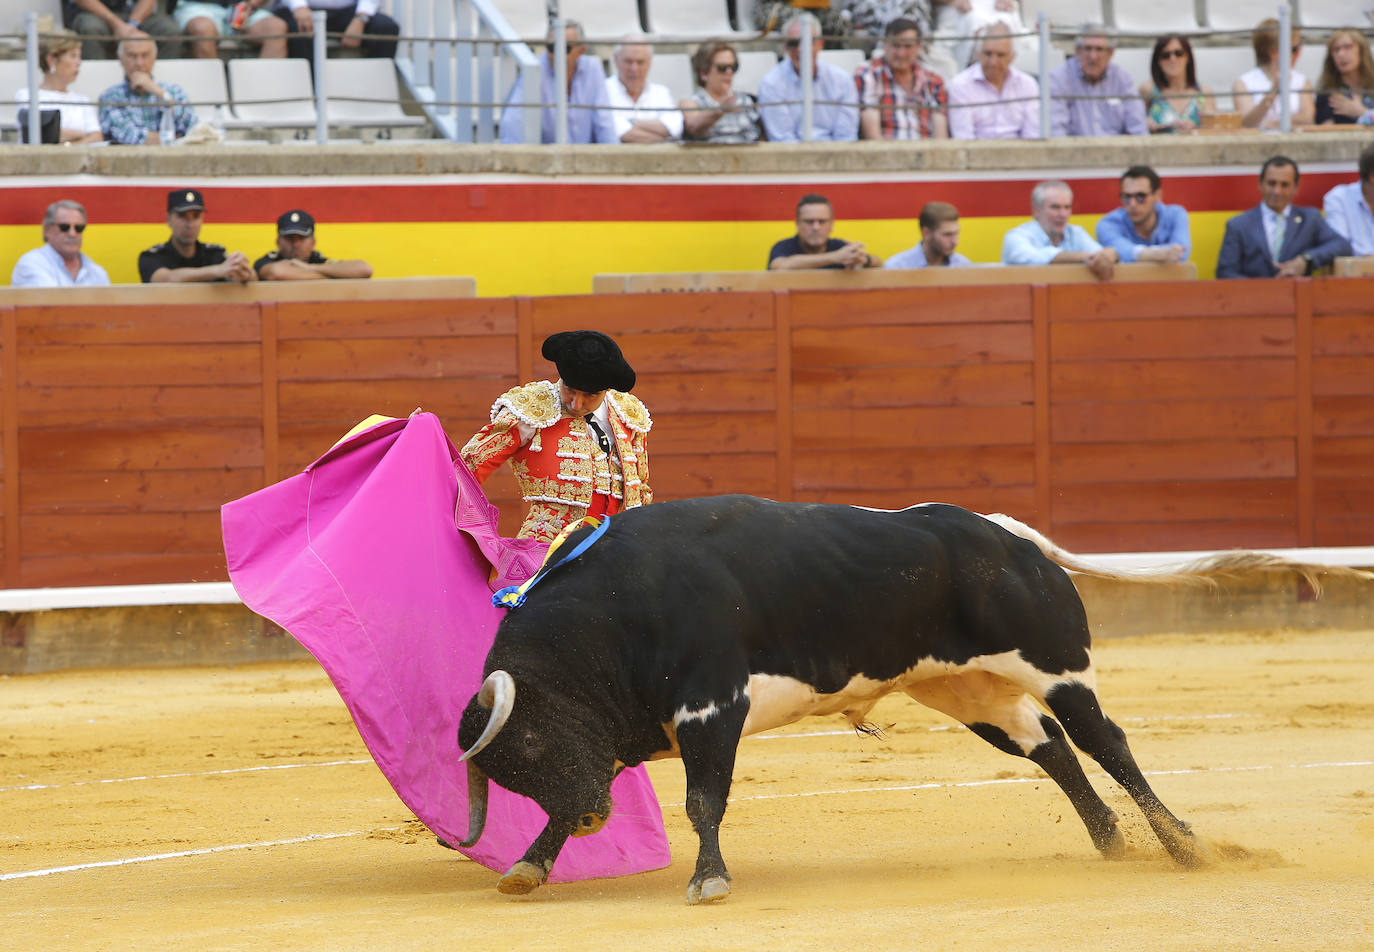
{"x": 691, "y": 624}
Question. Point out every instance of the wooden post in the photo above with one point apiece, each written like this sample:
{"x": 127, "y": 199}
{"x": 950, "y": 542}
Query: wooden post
{"x": 271, "y": 428}
{"x": 1040, "y": 379}
{"x": 9, "y": 410}
{"x": 1302, "y": 348}
{"x": 782, "y": 331}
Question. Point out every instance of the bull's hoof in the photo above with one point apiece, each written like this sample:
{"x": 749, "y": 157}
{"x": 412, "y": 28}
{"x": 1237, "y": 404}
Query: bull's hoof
{"x": 1112, "y": 845}
{"x": 713, "y": 889}
{"x": 1188, "y": 851}
{"x": 521, "y": 878}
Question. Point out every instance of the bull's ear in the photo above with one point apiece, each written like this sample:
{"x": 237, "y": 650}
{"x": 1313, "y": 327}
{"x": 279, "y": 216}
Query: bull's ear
{"x": 497, "y": 694}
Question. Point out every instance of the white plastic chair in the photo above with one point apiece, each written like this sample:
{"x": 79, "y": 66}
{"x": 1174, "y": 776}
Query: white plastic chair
{"x": 528, "y": 18}
{"x": 96, "y": 76}
{"x": 1240, "y": 15}
{"x": 1156, "y": 17}
{"x": 1331, "y": 14}
{"x": 604, "y": 20}
{"x": 202, "y": 80}
{"x": 673, "y": 70}
{"x": 1134, "y": 60}
{"x": 690, "y": 19}
{"x": 281, "y": 87}
{"x": 753, "y": 66}
{"x": 847, "y": 60}
{"x": 1219, "y": 67}
{"x": 365, "y": 92}
{"x": 1065, "y": 14}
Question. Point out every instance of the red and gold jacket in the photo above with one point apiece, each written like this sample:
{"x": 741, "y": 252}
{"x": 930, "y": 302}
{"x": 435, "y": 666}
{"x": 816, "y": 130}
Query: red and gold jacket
{"x": 561, "y": 467}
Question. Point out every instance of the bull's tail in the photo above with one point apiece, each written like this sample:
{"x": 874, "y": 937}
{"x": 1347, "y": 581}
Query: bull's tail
{"x": 1209, "y": 571}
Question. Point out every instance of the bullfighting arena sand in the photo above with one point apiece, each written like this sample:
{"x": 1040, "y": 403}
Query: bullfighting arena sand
{"x": 236, "y": 808}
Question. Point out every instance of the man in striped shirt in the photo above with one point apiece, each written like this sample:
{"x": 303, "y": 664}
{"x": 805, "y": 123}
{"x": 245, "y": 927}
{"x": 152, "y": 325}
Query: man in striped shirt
{"x": 898, "y": 99}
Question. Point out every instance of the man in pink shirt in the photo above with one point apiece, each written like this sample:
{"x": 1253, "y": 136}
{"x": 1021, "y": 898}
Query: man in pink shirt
{"x": 993, "y": 99}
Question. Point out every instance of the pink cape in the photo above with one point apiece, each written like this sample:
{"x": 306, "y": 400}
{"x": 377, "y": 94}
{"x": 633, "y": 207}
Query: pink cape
{"x": 359, "y": 559}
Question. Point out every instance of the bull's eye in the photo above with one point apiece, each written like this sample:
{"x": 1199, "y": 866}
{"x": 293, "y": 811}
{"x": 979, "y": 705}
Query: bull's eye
{"x": 531, "y": 744}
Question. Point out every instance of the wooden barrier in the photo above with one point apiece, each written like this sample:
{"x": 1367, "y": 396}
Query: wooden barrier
{"x": 1353, "y": 267}
{"x": 1115, "y": 417}
{"x": 343, "y": 289}
{"x": 977, "y": 275}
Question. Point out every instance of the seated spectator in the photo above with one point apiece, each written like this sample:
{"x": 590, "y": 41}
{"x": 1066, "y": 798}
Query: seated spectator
{"x": 361, "y": 22}
{"x": 60, "y": 57}
{"x": 1049, "y": 238}
{"x": 101, "y": 25}
{"x": 1345, "y": 91}
{"x": 834, "y": 113}
{"x": 715, "y": 112}
{"x": 1175, "y": 102}
{"x": 993, "y": 99}
{"x": 184, "y": 257}
{"x": 1144, "y": 228}
{"x": 1348, "y": 208}
{"x": 205, "y": 21}
{"x": 1277, "y": 239}
{"x": 588, "y": 118}
{"x": 1091, "y": 95}
{"x": 296, "y": 258}
{"x": 131, "y": 112}
{"x": 59, "y": 261}
{"x": 939, "y": 238}
{"x": 813, "y": 248}
{"x": 644, "y": 111}
{"x": 1257, "y": 91}
{"x": 897, "y": 98}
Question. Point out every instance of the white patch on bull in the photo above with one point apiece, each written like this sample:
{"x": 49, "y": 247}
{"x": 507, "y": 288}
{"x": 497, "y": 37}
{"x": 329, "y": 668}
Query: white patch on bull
{"x": 904, "y": 509}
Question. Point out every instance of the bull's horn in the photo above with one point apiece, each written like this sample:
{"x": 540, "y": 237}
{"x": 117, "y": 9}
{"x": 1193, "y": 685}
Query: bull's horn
{"x": 497, "y": 694}
{"x": 477, "y": 805}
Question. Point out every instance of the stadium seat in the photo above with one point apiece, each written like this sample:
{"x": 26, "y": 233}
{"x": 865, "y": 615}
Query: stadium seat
{"x": 689, "y": 19}
{"x": 604, "y": 20}
{"x": 1157, "y": 17}
{"x": 528, "y": 18}
{"x": 1330, "y": 14}
{"x": 1134, "y": 60}
{"x": 1238, "y": 15}
{"x": 1218, "y": 67}
{"x": 847, "y": 60}
{"x": 202, "y": 80}
{"x": 753, "y": 66}
{"x": 364, "y": 92}
{"x": 272, "y": 93}
{"x": 674, "y": 70}
{"x": 96, "y": 76}
{"x": 1064, "y": 14}
{"x": 13, "y": 75}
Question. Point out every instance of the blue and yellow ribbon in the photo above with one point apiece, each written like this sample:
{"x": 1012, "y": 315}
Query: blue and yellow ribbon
{"x": 513, "y": 596}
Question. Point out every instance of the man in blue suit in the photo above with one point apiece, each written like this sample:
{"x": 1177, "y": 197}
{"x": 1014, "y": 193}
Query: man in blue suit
{"x": 1278, "y": 238}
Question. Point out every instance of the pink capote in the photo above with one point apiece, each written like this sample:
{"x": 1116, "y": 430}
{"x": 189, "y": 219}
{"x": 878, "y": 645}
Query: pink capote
{"x": 360, "y": 557}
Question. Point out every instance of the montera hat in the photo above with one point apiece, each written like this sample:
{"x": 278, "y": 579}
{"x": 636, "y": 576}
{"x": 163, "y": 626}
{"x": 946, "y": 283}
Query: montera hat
{"x": 589, "y": 361}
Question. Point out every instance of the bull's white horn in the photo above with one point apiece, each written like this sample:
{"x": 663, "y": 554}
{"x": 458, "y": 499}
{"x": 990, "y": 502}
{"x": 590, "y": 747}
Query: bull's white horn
{"x": 498, "y": 694}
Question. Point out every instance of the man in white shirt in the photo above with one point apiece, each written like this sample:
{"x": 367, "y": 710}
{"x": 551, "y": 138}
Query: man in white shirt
{"x": 643, "y": 111}
{"x": 1347, "y": 208}
{"x": 59, "y": 263}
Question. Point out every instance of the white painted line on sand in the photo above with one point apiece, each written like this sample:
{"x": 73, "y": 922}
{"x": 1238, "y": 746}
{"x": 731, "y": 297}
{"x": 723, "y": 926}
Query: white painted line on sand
{"x": 173, "y": 776}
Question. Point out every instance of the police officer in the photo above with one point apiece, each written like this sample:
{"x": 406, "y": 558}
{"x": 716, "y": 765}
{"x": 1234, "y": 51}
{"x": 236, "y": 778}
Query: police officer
{"x": 184, "y": 257}
{"x": 296, "y": 258}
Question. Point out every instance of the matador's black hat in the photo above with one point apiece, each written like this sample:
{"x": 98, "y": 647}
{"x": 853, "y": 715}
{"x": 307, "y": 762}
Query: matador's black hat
{"x": 589, "y": 361}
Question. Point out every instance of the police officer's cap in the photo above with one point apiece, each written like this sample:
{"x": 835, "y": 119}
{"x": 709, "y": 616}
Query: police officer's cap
{"x": 296, "y": 222}
{"x": 185, "y": 200}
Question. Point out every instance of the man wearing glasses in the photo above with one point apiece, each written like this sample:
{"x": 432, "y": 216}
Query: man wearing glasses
{"x": 1144, "y": 228}
{"x": 59, "y": 263}
{"x": 589, "y": 116}
{"x": 835, "y": 98}
{"x": 1092, "y": 96}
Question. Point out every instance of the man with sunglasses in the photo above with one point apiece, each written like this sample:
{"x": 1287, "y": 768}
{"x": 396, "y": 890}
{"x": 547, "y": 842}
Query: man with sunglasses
{"x": 59, "y": 263}
{"x": 1092, "y": 96}
{"x": 1144, "y": 228}
{"x": 835, "y": 98}
{"x": 590, "y": 119}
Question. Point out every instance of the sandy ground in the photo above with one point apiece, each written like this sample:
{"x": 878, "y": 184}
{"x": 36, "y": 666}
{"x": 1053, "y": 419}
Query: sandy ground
{"x": 284, "y": 836}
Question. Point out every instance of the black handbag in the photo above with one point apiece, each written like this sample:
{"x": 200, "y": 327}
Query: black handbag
{"x": 49, "y": 125}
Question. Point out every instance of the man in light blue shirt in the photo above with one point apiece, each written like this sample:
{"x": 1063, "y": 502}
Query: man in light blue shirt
{"x": 589, "y": 116}
{"x": 1050, "y": 239}
{"x": 59, "y": 263}
{"x": 1092, "y": 96}
{"x": 1347, "y": 208}
{"x": 835, "y": 97}
{"x": 1144, "y": 228}
{"x": 939, "y": 238}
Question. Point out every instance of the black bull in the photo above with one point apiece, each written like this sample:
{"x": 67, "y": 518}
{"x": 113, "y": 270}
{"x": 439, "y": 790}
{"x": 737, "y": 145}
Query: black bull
{"x": 693, "y": 623}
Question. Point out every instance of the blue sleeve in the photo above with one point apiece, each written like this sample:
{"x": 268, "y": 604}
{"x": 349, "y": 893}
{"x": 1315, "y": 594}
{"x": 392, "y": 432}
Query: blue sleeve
{"x": 847, "y": 116}
{"x": 25, "y": 274}
{"x": 1180, "y": 233}
{"x": 512, "y": 124}
{"x": 1115, "y": 231}
{"x": 183, "y": 116}
{"x": 777, "y": 120}
{"x": 1059, "y": 107}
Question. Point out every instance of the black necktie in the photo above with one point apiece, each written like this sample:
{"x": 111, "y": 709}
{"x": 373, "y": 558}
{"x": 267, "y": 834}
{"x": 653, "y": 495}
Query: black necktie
{"x": 600, "y": 434}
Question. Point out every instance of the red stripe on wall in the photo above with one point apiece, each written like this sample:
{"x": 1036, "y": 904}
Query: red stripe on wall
{"x": 659, "y": 201}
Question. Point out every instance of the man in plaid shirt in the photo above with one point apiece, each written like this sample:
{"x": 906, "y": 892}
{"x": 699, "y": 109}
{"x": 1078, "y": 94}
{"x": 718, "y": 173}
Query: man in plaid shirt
{"x": 131, "y": 111}
{"x": 897, "y": 98}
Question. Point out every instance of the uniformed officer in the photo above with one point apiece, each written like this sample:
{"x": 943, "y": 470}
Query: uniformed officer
{"x": 184, "y": 257}
{"x": 296, "y": 258}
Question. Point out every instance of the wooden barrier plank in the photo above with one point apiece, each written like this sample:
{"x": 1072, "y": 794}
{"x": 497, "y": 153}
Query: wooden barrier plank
{"x": 1347, "y": 456}
{"x": 131, "y": 405}
{"x": 913, "y": 427}
{"x": 1345, "y": 529}
{"x": 1169, "y": 420}
{"x": 9, "y": 443}
{"x": 1162, "y": 535}
{"x": 914, "y": 344}
{"x": 1114, "y": 301}
{"x": 1213, "y": 377}
{"x": 444, "y": 317}
{"x": 685, "y": 352}
{"x": 187, "y": 324}
{"x": 1085, "y": 463}
{"x": 680, "y": 476}
{"x": 624, "y": 317}
{"x": 1343, "y": 416}
{"x": 957, "y": 305}
{"x": 1343, "y": 376}
{"x": 713, "y": 433}
{"x": 105, "y": 533}
{"x": 112, "y": 365}
{"x": 167, "y": 490}
{"x": 1357, "y": 285}
{"x": 129, "y": 568}
{"x": 1261, "y": 500}
{"x": 902, "y": 472}
{"x": 1352, "y": 494}
{"x": 1173, "y": 338}
{"x": 1343, "y": 334}
{"x": 707, "y": 392}
{"x": 340, "y": 401}
{"x": 1018, "y": 501}
{"x": 152, "y": 448}
{"x": 924, "y": 385}
{"x": 395, "y": 358}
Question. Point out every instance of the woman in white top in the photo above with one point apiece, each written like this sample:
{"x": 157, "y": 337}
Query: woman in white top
{"x": 60, "y": 55}
{"x": 1257, "y": 91}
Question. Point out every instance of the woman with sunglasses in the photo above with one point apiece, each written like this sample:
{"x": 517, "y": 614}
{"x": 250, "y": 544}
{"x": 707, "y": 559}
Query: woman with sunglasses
{"x": 1345, "y": 91}
{"x": 1174, "y": 102}
{"x": 1257, "y": 91}
{"x": 60, "y": 56}
{"x": 716, "y": 112}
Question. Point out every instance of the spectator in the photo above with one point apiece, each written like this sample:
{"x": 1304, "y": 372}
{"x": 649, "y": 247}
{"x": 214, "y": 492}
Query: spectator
{"x": 1345, "y": 90}
{"x": 101, "y": 25}
{"x": 589, "y": 119}
{"x": 813, "y": 248}
{"x": 1091, "y": 95}
{"x": 715, "y": 112}
{"x": 361, "y": 22}
{"x": 184, "y": 257}
{"x": 1050, "y": 239}
{"x": 1175, "y": 102}
{"x": 1144, "y": 228}
{"x": 296, "y": 258}
{"x": 899, "y": 99}
{"x": 939, "y": 238}
{"x": 644, "y": 111}
{"x": 131, "y": 112}
{"x": 835, "y": 113}
{"x": 59, "y": 261}
{"x": 205, "y": 21}
{"x": 1277, "y": 238}
{"x": 959, "y": 23}
{"x": 993, "y": 99}
{"x": 1257, "y": 91}
{"x": 1348, "y": 207}
{"x": 60, "y": 57}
